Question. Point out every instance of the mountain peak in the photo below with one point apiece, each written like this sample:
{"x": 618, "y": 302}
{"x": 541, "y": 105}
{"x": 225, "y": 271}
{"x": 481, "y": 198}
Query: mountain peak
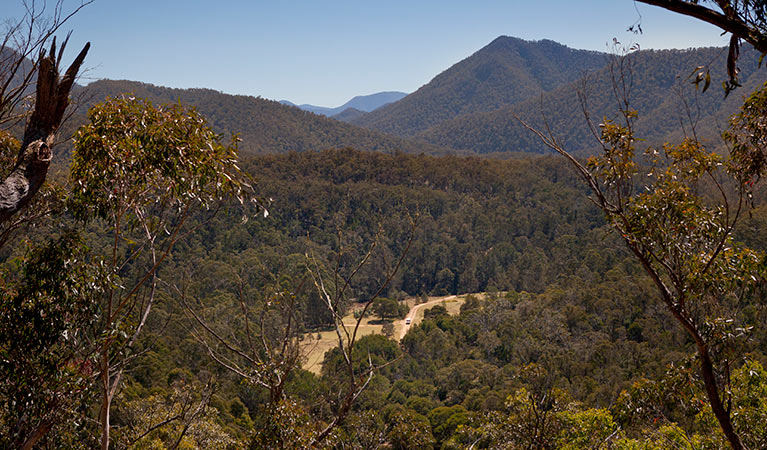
{"x": 507, "y": 70}
{"x": 506, "y": 42}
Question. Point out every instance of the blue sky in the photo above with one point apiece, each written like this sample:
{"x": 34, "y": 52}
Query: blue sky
{"x": 325, "y": 52}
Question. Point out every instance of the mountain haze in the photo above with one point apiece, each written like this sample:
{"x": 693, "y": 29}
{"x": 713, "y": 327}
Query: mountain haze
{"x": 372, "y": 102}
{"x": 365, "y": 103}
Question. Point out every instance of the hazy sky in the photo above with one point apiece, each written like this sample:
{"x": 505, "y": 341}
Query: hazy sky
{"x": 325, "y": 52}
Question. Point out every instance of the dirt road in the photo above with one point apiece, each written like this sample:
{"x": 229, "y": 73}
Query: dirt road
{"x": 413, "y": 316}
{"x": 316, "y": 344}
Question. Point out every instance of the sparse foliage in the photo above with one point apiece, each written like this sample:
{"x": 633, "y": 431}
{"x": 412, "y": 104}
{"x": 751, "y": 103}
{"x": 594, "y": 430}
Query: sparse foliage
{"x": 683, "y": 241}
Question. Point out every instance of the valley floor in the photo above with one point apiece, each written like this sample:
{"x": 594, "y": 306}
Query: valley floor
{"x": 316, "y": 344}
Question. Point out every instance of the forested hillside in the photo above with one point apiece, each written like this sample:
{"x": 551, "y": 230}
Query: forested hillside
{"x": 471, "y": 107}
{"x": 264, "y": 126}
{"x": 657, "y": 85}
{"x": 506, "y": 71}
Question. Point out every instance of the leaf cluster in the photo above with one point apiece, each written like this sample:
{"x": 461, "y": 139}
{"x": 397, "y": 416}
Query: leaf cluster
{"x": 132, "y": 155}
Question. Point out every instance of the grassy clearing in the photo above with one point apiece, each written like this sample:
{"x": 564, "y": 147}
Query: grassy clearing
{"x": 316, "y": 344}
{"x": 315, "y": 348}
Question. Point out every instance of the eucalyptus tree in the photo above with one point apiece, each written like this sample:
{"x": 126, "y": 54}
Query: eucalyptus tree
{"x": 683, "y": 239}
{"x": 139, "y": 172}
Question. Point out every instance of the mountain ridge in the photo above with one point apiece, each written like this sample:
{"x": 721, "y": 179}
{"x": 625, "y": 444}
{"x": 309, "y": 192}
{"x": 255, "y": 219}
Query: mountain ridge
{"x": 660, "y": 94}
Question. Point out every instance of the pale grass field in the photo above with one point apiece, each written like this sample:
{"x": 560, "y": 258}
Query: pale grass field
{"x": 315, "y": 349}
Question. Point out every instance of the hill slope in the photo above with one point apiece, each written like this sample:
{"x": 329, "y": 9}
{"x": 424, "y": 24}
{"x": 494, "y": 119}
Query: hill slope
{"x": 508, "y": 70}
{"x": 264, "y": 126}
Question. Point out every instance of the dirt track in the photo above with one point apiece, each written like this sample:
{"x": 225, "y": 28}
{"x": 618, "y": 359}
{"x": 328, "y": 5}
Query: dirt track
{"x": 315, "y": 348}
{"x": 413, "y": 315}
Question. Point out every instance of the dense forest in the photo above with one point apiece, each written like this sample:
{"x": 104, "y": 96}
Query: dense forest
{"x": 569, "y": 308}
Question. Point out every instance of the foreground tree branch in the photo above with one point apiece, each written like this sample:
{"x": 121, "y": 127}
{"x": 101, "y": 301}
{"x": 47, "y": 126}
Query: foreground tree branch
{"x": 729, "y": 20}
{"x": 34, "y": 158}
{"x": 746, "y": 20}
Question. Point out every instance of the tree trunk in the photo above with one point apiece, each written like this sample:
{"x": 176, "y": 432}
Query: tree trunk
{"x": 706, "y": 365}
{"x": 35, "y": 155}
{"x": 715, "y": 400}
{"x": 106, "y": 400}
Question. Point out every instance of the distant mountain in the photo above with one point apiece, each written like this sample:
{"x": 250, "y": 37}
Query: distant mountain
{"x": 372, "y": 102}
{"x": 321, "y": 110}
{"x": 364, "y": 103}
{"x": 506, "y": 71}
{"x": 264, "y": 126}
{"x": 659, "y": 90}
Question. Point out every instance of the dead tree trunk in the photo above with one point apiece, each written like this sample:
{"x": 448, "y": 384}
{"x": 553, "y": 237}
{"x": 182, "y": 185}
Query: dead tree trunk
{"x": 34, "y": 158}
